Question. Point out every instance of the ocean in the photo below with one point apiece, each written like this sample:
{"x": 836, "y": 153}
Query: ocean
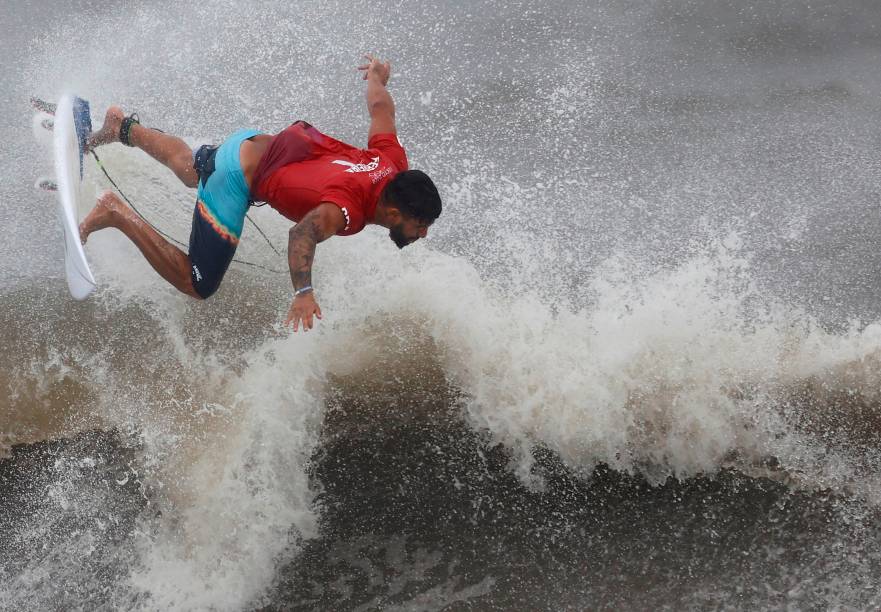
{"x": 636, "y": 365}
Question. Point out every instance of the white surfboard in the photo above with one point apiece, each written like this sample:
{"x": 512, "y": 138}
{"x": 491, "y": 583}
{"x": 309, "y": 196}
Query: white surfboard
{"x": 70, "y": 129}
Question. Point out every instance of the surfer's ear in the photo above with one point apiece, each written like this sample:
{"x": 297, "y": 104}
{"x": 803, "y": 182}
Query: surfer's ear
{"x": 388, "y": 209}
{"x": 393, "y": 214}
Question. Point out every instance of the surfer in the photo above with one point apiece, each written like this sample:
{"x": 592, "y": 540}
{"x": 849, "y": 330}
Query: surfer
{"x": 326, "y": 186}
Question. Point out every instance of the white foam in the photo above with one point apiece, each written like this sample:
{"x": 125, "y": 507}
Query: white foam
{"x": 675, "y": 373}
{"x": 664, "y": 372}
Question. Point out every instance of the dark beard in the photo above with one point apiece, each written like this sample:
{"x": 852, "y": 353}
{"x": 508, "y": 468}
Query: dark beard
{"x": 397, "y": 235}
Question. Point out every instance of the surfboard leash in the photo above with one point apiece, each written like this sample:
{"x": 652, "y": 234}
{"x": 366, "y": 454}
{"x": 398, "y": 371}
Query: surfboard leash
{"x": 178, "y": 242}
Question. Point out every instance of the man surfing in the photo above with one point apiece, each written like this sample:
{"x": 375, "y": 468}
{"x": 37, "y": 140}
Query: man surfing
{"x": 326, "y": 186}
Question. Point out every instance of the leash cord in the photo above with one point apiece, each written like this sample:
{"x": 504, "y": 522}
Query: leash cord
{"x": 178, "y": 242}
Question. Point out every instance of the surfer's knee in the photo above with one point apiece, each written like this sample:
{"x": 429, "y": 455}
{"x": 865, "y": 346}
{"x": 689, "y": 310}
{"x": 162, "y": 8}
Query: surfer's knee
{"x": 189, "y": 178}
{"x": 208, "y": 265}
{"x": 190, "y": 290}
{"x": 183, "y": 168}
{"x": 203, "y": 285}
{"x": 203, "y": 291}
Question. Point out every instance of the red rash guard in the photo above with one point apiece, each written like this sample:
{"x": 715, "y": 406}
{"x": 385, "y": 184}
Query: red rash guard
{"x": 301, "y": 168}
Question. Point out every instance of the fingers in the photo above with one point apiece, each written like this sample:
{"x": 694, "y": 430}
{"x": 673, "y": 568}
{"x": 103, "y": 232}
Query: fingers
{"x": 292, "y": 317}
{"x": 372, "y": 62}
{"x": 295, "y": 318}
{"x": 308, "y": 322}
{"x": 292, "y": 321}
{"x": 366, "y": 67}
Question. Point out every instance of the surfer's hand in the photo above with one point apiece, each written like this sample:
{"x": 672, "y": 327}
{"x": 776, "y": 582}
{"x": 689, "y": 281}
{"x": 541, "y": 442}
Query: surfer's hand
{"x": 377, "y": 69}
{"x": 302, "y": 310}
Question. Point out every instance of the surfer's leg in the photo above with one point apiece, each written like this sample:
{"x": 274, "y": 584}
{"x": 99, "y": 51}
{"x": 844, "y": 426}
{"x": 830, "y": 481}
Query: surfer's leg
{"x": 169, "y": 261}
{"x": 169, "y": 150}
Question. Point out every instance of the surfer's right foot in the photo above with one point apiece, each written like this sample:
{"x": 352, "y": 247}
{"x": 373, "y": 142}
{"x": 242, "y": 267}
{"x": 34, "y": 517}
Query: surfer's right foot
{"x": 107, "y": 210}
{"x": 109, "y": 132}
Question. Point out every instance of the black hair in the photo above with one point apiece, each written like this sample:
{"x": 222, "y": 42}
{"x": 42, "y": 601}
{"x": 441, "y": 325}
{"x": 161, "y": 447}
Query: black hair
{"x": 414, "y": 194}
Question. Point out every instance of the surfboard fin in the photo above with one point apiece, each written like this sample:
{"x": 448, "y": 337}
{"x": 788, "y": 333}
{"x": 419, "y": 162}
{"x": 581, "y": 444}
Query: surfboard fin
{"x": 81, "y": 117}
{"x": 42, "y": 105}
{"x": 46, "y": 184}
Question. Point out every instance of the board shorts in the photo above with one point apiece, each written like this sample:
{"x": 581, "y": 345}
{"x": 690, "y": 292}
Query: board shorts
{"x": 222, "y": 200}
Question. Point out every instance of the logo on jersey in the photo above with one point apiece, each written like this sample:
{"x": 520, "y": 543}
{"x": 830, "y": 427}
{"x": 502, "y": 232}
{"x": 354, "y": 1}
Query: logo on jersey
{"x": 377, "y": 176}
{"x": 373, "y": 165}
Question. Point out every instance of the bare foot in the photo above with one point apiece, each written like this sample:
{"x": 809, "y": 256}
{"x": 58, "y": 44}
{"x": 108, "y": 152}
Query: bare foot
{"x": 109, "y": 132}
{"x": 107, "y": 209}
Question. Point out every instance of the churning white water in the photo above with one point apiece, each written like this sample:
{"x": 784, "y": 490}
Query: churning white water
{"x": 635, "y": 365}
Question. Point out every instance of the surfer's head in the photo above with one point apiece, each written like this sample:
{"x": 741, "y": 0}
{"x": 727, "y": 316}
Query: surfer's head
{"x": 412, "y": 204}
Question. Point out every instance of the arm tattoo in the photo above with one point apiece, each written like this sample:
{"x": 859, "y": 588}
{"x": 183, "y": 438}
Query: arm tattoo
{"x": 301, "y": 250}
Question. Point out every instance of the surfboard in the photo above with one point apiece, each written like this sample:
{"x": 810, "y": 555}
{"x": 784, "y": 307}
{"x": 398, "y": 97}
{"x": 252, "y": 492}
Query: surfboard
{"x": 70, "y": 129}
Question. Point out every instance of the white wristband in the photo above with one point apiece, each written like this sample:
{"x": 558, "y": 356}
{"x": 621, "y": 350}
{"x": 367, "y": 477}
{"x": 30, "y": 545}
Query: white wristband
{"x": 303, "y": 291}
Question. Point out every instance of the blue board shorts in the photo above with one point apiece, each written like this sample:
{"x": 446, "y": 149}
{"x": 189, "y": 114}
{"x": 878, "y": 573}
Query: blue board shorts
{"x": 222, "y": 201}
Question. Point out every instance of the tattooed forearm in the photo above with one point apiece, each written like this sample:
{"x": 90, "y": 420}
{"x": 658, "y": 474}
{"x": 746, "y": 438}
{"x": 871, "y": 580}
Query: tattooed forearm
{"x": 301, "y": 250}
{"x": 318, "y": 225}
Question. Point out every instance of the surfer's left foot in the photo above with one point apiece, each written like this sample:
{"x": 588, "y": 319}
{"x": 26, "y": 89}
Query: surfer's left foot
{"x": 109, "y": 132}
{"x": 105, "y": 213}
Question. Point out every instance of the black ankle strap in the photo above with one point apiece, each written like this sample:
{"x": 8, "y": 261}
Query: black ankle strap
{"x": 126, "y": 128}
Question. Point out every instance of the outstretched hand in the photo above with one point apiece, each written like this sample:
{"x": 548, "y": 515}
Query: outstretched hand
{"x": 302, "y": 309}
{"x": 377, "y": 69}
